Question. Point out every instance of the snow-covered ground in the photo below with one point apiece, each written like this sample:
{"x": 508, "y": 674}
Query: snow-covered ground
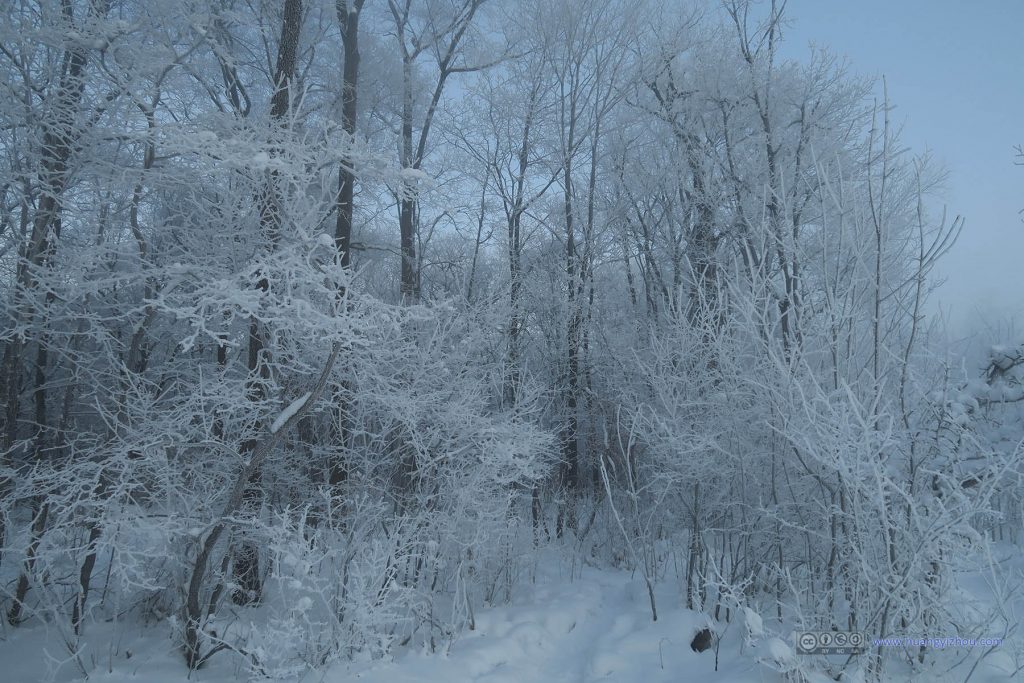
{"x": 596, "y": 627}
{"x": 571, "y": 624}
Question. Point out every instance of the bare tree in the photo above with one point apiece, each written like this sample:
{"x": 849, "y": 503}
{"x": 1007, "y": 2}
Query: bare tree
{"x": 438, "y": 29}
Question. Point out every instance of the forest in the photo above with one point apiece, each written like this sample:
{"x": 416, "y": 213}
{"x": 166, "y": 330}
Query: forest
{"x": 330, "y": 327}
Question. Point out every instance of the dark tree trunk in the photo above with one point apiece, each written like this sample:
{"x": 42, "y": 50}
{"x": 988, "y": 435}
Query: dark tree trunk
{"x": 408, "y": 205}
{"x": 38, "y": 526}
{"x": 409, "y": 287}
{"x": 84, "y": 579}
{"x": 569, "y": 475}
{"x": 348, "y": 22}
{"x": 246, "y": 561}
{"x": 59, "y": 139}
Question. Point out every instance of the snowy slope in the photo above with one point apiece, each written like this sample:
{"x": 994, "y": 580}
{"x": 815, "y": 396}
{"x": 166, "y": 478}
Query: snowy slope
{"x": 590, "y": 627}
{"x": 567, "y": 626}
{"x": 594, "y": 628}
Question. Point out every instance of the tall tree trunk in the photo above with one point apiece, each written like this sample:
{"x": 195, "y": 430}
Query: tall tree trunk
{"x": 246, "y": 563}
{"x": 570, "y": 432}
{"x": 38, "y": 526}
{"x": 61, "y": 133}
{"x": 409, "y": 288}
{"x": 411, "y": 156}
{"x": 348, "y": 22}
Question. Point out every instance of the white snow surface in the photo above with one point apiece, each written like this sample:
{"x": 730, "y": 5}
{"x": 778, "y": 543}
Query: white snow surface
{"x": 570, "y": 625}
{"x": 779, "y": 654}
{"x": 414, "y": 175}
{"x": 592, "y": 628}
{"x": 286, "y": 414}
{"x": 564, "y": 628}
{"x": 755, "y": 625}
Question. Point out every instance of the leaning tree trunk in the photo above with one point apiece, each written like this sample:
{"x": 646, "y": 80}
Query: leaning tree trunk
{"x": 194, "y": 608}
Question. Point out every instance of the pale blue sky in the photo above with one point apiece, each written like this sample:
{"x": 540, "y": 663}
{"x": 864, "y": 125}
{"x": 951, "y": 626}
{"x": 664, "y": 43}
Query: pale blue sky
{"x": 955, "y": 71}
